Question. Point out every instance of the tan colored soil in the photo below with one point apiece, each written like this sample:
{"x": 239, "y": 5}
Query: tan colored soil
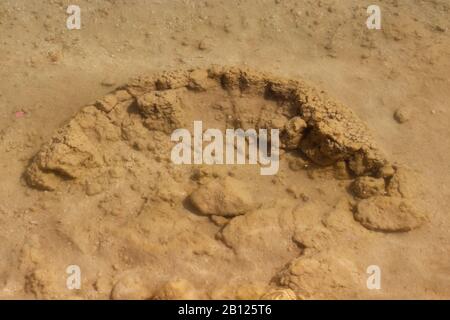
{"x": 87, "y": 177}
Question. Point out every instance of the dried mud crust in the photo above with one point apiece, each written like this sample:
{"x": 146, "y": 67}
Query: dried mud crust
{"x": 127, "y": 133}
{"x": 324, "y": 130}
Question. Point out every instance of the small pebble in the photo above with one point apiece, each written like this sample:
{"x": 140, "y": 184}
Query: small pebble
{"x": 402, "y": 115}
{"x": 108, "y": 82}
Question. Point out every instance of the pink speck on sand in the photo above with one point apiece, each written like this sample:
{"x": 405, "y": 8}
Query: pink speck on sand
{"x": 20, "y": 114}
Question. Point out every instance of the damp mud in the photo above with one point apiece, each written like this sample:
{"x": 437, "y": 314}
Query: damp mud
{"x": 92, "y": 205}
{"x": 112, "y": 159}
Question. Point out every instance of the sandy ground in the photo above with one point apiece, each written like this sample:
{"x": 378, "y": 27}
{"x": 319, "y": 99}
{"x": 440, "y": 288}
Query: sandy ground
{"x": 48, "y": 73}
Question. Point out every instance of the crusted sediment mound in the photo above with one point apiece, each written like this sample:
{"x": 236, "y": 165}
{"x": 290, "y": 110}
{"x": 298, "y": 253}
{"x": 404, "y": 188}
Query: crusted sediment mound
{"x": 114, "y": 157}
{"x": 326, "y": 131}
{"x": 389, "y": 214}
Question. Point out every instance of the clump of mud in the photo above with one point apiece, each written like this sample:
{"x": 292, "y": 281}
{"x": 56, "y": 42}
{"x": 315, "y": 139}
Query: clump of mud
{"x": 219, "y": 231}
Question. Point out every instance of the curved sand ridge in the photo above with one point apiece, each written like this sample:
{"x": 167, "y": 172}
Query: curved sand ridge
{"x": 123, "y": 140}
{"x": 334, "y": 131}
